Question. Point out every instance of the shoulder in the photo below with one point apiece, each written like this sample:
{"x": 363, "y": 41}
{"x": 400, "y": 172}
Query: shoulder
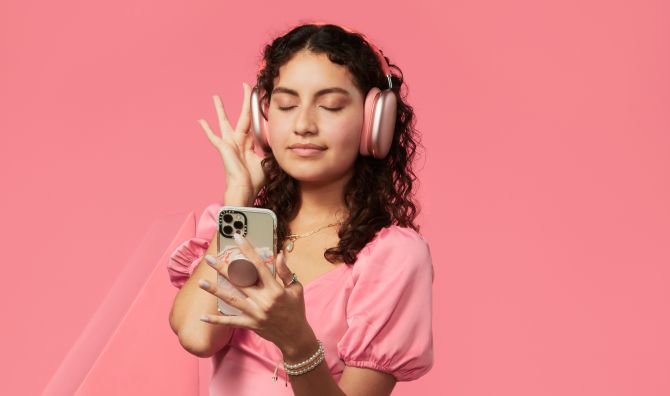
{"x": 395, "y": 248}
{"x": 396, "y": 238}
{"x": 211, "y": 211}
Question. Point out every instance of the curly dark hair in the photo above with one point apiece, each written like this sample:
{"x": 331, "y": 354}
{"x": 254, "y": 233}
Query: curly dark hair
{"x": 380, "y": 191}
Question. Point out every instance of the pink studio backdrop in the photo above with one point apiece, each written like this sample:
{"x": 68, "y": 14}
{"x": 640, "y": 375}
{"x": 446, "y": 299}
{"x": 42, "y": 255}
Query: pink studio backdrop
{"x": 544, "y": 186}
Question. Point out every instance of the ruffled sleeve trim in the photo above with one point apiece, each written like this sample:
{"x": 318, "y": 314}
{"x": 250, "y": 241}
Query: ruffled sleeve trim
{"x": 189, "y": 253}
{"x": 398, "y": 374}
{"x": 185, "y": 258}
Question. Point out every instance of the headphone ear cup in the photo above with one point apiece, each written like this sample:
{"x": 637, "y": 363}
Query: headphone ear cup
{"x": 265, "y": 129}
{"x": 379, "y": 122}
{"x": 259, "y": 124}
{"x": 368, "y": 117}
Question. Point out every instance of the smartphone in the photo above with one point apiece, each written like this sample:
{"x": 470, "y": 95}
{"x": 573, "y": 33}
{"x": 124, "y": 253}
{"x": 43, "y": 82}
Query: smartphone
{"x": 259, "y": 227}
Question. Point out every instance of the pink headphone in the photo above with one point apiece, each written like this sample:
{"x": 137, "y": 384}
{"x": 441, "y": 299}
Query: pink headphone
{"x": 379, "y": 119}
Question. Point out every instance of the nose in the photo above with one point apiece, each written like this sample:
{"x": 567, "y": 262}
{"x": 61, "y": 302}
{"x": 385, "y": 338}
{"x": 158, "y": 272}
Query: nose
{"x": 305, "y": 122}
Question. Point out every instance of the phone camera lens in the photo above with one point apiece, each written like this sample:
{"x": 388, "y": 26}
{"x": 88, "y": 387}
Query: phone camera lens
{"x": 227, "y": 218}
{"x": 238, "y": 224}
{"x": 228, "y": 230}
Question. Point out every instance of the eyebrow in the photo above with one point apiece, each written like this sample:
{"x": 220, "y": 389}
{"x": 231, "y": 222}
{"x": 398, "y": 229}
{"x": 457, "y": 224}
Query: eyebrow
{"x": 321, "y": 92}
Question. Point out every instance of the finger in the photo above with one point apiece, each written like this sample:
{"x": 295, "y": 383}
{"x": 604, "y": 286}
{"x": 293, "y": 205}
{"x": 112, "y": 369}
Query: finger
{"x": 218, "y": 262}
{"x": 249, "y": 147}
{"x": 223, "y": 259}
{"x": 250, "y": 143}
{"x": 221, "y": 114}
{"x": 248, "y": 250}
{"x": 243, "y": 304}
{"x": 245, "y": 114}
{"x": 239, "y": 321}
{"x": 241, "y": 134}
{"x": 208, "y": 131}
{"x": 284, "y": 273}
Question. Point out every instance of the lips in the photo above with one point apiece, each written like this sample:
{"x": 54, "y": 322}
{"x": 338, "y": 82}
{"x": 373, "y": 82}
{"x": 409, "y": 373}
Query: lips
{"x": 306, "y": 149}
{"x": 306, "y": 146}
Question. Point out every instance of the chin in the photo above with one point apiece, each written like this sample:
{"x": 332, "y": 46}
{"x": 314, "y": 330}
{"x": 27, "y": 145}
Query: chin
{"x": 316, "y": 171}
{"x": 316, "y": 176}
{"x": 308, "y": 175}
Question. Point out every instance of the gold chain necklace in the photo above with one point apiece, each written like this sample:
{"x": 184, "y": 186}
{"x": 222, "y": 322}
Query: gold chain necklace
{"x": 293, "y": 237}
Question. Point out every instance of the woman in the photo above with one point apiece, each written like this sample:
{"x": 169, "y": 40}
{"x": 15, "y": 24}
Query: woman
{"x": 349, "y": 311}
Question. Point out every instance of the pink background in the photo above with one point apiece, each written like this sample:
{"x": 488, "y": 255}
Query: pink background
{"x": 545, "y": 183}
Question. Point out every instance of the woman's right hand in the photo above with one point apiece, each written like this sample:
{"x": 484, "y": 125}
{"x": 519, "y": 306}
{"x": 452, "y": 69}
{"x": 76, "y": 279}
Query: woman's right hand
{"x": 244, "y": 173}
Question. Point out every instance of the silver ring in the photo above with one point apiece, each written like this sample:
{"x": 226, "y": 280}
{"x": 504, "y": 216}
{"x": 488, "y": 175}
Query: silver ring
{"x": 294, "y": 278}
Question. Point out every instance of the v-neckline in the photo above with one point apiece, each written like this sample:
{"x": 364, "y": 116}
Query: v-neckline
{"x": 309, "y": 285}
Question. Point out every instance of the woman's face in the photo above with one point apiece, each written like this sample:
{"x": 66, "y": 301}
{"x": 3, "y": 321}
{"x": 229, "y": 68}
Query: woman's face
{"x": 315, "y": 102}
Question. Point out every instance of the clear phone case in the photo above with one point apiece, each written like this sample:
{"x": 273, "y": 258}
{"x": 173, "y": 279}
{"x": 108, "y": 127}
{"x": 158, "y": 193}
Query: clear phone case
{"x": 259, "y": 227}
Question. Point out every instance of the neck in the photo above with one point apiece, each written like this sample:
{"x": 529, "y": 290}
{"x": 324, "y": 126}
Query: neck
{"x": 320, "y": 204}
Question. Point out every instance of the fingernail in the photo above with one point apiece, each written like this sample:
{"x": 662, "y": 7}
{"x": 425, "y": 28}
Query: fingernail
{"x": 204, "y": 318}
{"x": 210, "y": 260}
{"x": 238, "y": 237}
{"x": 203, "y": 283}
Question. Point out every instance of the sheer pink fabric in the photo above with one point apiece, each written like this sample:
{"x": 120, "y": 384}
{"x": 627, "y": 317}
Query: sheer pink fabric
{"x": 375, "y": 313}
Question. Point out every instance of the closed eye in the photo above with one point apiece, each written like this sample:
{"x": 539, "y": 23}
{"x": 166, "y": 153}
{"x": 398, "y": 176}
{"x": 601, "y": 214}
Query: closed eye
{"x": 333, "y": 109}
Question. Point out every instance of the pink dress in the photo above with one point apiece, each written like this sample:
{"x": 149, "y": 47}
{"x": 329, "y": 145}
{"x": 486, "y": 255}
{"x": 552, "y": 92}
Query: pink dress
{"x": 375, "y": 313}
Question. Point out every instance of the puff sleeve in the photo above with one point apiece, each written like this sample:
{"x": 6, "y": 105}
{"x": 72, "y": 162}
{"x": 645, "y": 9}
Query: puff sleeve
{"x": 389, "y": 310}
{"x": 185, "y": 257}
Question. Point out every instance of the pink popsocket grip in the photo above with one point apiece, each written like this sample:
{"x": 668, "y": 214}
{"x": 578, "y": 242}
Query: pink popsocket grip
{"x": 242, "y": 272}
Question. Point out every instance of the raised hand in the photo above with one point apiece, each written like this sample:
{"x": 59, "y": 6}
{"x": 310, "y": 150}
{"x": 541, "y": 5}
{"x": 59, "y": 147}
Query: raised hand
{"x": 244, "y": 174}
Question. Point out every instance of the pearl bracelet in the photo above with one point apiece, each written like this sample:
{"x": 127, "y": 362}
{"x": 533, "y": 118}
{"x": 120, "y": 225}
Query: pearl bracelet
{"x": 308, "y": 368}
{"x": 306, "y": 365}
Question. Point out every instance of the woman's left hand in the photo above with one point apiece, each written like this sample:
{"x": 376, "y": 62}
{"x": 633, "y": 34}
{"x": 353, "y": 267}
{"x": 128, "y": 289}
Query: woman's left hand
{"x": 271, "y": 309}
